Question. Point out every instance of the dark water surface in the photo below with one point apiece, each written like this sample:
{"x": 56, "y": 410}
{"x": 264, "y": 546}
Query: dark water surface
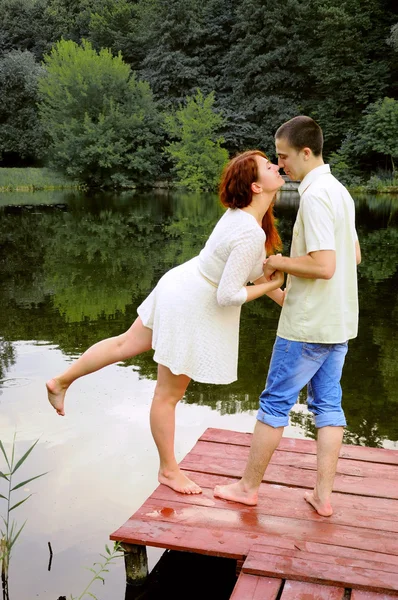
{"x": 74, "y": 269}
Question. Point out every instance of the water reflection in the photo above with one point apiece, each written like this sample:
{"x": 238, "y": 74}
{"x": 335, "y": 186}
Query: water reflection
{"x": 75, "y": 271}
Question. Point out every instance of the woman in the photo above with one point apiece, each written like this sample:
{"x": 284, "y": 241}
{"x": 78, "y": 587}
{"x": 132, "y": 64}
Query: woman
{"x": 191, "y": 318}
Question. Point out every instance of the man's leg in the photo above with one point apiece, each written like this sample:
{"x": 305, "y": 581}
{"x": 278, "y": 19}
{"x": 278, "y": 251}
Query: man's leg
{"x": 265, "y": 440}
{"x": 324, "y": 401}
{"x": 328, "y": 448}
{"x": 289, "y": 372}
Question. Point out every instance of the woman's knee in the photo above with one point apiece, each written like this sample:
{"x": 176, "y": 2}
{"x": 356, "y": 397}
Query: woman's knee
{"x": 167, "y": 395}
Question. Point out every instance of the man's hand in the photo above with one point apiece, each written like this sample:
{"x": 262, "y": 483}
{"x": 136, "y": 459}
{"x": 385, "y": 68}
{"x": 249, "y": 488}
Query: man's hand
{"x": 270, "y": 266}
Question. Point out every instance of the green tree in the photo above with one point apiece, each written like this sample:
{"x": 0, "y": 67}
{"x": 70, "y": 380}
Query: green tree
{"x": 103, "y": 123}
{"x": 173, "y": 41}
{"x": 392, "y": 40}
{"x": 21, "y": 133}
{"x": 25, "y": 25}
{"x": 197, "y": 149}
{"x": 262, "y": 76}
{"x": 348, "y": 62}
{"x": 122, "y": 27}
{"x": 379, "y": 130}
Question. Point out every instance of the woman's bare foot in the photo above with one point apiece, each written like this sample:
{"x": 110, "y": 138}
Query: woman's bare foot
{"x": 322, "y": 508}
{"x": 177, "y": 481}
{"x": 56, "y": 395}
{"x": 237, "y": 493}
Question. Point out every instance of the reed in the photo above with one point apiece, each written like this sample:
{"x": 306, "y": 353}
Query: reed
{"x": 10, "y": 531}
{"x": 99, "y": 568}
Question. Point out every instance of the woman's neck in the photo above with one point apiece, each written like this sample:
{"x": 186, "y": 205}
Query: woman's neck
{"x": 259, "y": 205}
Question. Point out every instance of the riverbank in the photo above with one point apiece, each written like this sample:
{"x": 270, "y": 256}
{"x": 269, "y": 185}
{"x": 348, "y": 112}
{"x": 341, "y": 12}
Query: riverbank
{"x": 30, "y": 179}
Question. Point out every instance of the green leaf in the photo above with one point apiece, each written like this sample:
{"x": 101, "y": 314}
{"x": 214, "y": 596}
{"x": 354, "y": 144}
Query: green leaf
{"x": 5, "y": 455}
{"x": 12, "y": 542}
{"x": 5, "y": 497}
{"x": 3, "y": 476}
{"x": 19, "y": 503}
{"x": 107, "y": 549}
{"x": 27, "y": 481}
{"x": 22, "y": 460}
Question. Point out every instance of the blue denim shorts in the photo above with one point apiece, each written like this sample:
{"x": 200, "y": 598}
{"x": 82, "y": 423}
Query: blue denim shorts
{"x": 295, "y": 365}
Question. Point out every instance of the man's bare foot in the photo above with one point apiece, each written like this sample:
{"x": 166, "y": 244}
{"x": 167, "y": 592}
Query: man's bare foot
{"x": 236, "y": 493}
{"x": 177, "y": 481}
{"x": 322, "y": 508}
{"x": 56, "y": 395}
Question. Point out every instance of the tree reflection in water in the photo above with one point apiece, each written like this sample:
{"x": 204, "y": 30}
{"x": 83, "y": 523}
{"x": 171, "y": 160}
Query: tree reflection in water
{"x": 75, "y": 272}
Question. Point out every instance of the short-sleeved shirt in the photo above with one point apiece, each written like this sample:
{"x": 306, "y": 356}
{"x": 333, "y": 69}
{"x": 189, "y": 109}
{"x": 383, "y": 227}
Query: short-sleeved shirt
{"x": 320, "y": 310}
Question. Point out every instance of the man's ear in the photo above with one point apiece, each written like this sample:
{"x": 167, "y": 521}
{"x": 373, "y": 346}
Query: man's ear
{"x": 256, "y": 188}
{"x": 307, "y": 153}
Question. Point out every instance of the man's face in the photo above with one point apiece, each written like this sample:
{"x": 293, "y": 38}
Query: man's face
{"x": 290, "y": 160}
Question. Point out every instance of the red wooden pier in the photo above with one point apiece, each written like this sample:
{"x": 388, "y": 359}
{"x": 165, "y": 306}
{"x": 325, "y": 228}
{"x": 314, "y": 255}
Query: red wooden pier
{"x": 283, "y": 548}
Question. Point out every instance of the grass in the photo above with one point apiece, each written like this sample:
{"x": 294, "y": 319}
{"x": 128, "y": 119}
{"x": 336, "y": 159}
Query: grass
{"x": 30, "y": 179}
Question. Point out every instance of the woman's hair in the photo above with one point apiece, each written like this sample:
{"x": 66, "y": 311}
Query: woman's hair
{"x": 302, "y": 132}
{"x": 235, "y": 192}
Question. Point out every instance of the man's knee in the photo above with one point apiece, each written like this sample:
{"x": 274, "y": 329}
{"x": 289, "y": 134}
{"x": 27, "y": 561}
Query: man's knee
{"x": 330, "y": 419}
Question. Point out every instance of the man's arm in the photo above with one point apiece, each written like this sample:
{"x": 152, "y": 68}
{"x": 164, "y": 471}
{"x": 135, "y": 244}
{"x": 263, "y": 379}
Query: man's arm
{"x": 315, "y": 265}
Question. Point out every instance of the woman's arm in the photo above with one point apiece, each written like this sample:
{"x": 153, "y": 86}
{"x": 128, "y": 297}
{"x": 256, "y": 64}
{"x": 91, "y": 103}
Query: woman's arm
{"x": 266, "y": 288}
{"x": 277, "y": 295}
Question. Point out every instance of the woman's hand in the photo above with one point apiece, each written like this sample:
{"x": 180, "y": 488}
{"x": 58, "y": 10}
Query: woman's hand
{"x": 277, "y": 278}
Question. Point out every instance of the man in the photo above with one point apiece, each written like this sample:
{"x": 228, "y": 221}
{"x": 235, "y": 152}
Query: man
{"x": 319, "y": 315}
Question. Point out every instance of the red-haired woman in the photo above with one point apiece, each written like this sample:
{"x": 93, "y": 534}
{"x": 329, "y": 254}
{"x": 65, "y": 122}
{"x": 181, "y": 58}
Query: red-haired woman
{"x": 191, "y": 318}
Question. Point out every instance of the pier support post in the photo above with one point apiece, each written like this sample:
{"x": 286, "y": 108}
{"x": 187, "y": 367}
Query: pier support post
{"x": 136, "y": 563}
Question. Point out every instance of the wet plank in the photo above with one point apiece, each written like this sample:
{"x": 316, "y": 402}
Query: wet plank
{"x": 326, "y": 555}
{"x": 172, "y": 536}
{"x": 385, "y": 508}
{"x": 315, "y": 569}
{"x": 251, "y": 521}
{"x": 291, "y": 476}
{"x": 280, "y": 457}
{"x": 283, "y": 539}
{"x": 283, "y": 502}
{"x": 362, "y": 453}
{"x": 360, "y": 595}
{"x": 251, "y": 587}
{"x": 300, "y": 590}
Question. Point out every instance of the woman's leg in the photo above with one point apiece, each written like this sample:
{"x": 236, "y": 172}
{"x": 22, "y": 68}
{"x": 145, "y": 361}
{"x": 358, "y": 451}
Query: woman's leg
{"x": 169, "y": 390}
{"x": 135, "y": 340}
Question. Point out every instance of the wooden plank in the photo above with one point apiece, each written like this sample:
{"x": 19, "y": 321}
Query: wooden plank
{"x": 385, "y": 508}
{"x": 300, "y": 590}
{"x": 360, "y": 595}
{"x": 173, "y": 536}
{"x": 267, "y": 564}
{"x": 281, "y": 502}
{"x": 378, "y": 455}
{"x": 345, "y": 552}
{"x": 299, "y": 460}
{"x": 353, "y": 560}
{"x": 251, "y": 521}
{"x": 252, "y": 587}
{"x": 291, "y": 476}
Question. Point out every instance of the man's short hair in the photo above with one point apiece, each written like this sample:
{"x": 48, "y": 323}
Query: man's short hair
{"x": 302, "y": 132}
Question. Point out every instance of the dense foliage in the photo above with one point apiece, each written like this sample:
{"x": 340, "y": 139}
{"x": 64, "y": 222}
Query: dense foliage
{"x": 102, "y": 122}
{"x": 334, "y": 60}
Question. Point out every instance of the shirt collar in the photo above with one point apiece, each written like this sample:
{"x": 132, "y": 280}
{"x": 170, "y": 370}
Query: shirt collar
{"x": 312, "y": 176}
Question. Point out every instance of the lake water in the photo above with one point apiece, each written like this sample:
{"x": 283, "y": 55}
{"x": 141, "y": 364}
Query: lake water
{"x": 74, "y": 268}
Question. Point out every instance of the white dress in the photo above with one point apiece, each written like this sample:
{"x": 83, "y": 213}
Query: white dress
{"x": 194, "y": 311}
